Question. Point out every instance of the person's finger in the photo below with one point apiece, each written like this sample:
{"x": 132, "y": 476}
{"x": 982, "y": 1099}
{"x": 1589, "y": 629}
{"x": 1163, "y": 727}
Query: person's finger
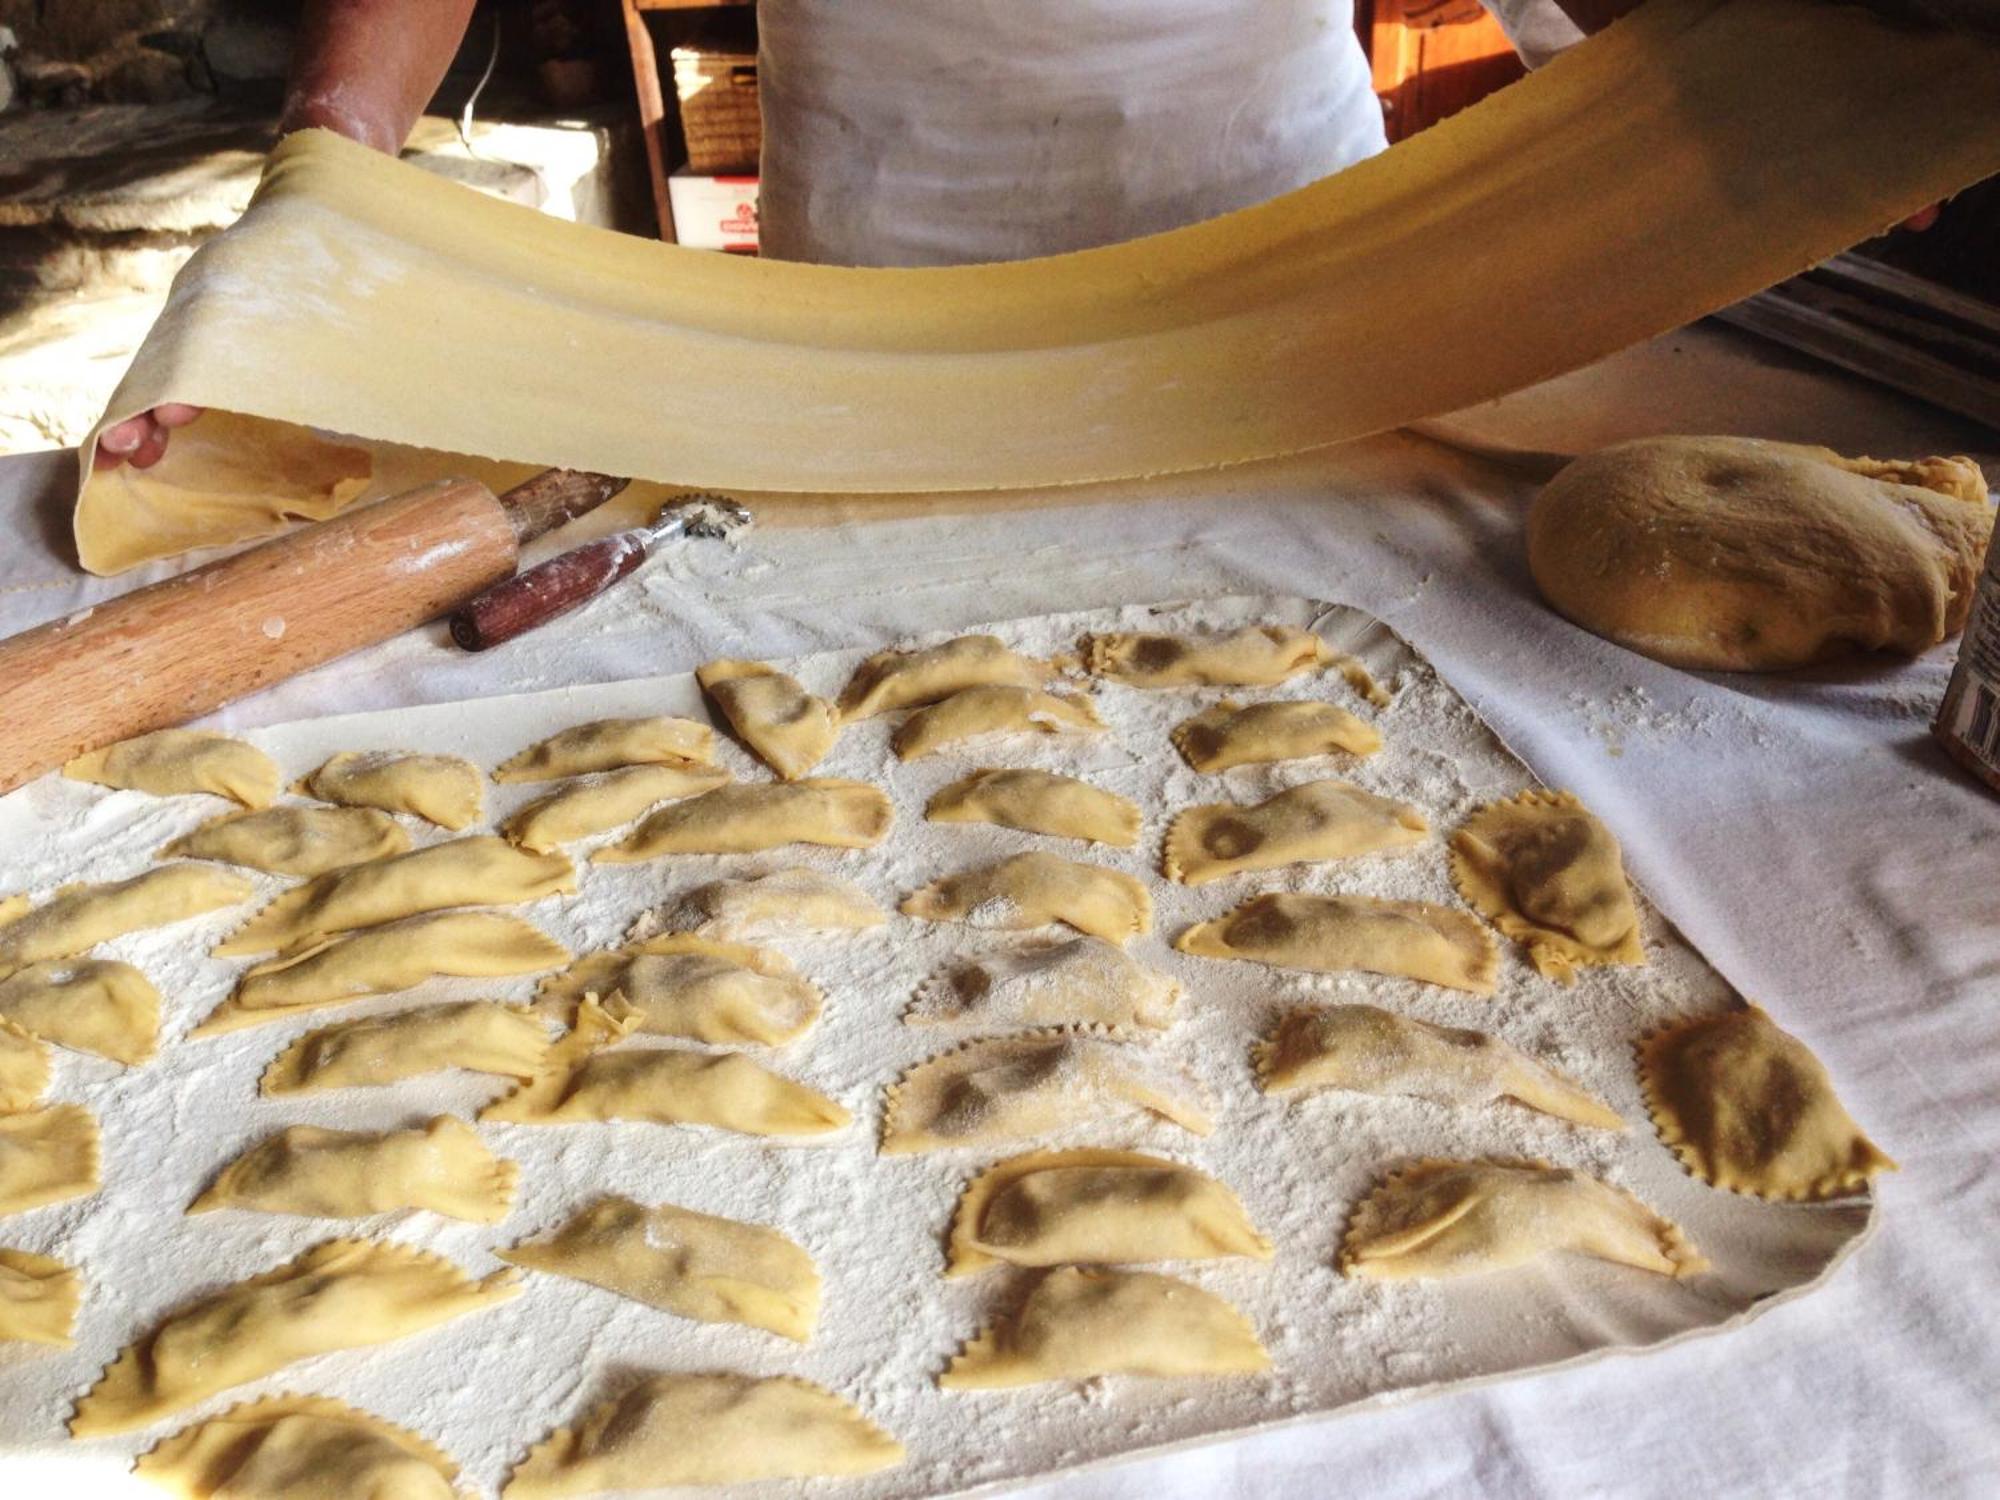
{"x": 175, "y": 413}
{"x": 122, "y": 438}
{"x": 1923, "y": 218}
{"x": 152, "y": 448}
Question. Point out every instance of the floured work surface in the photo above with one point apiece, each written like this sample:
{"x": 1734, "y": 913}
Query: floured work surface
{"x": 486, "y": 1388}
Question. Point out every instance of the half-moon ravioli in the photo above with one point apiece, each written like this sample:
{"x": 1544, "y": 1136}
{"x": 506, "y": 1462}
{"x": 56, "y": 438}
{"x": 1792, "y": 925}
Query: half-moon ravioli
{"x": 477, "y": 871}
{"x": 97, "y": 1005}
{"x": 1230, "y": 733}
{"x": 442, "y": 1166}
{"x": 443, "y": 789}
{"x": 174, "y": 762}
{"x": 706, "y": 1429}
{"x": 78, "y": 917}
{"x": 1373, "y": 1051}
{"x": 606, "y": 744}
{"x": 39, "y": 1296}
{"x": 24, "y": 1067}
{"x": 1095, "y": 1207}
{"x": 1007, "y": 1088}
{"x": 911, "y": 678}
{"x": 1747, "y": 1107}
{"x": 589, "y": 805}
{"x": 1541, "y": 868}
{"x": 47, "y": 1155}
{"x": 1340, "y": 934}
{"x": 780, "y": 902}
{"x": 1085, "y": 980}
{"x": 1038, "y": 802}
{"x": 829, "y": 811}
{"x": 298, "y": 1448}
{"x": 293, "y": 840}
{"x": 1035, "y": 890}
{"x": 1253, "y": 656}
{"x": 344, "y": 1294}
{"x": 1457, "y": 1218}
{"x": 1079, "y": 1324}
{"x": 785, "y": 726}
{"x": 480, "y": 1036}
{"x": 694, "y": 987}
{"x": 696, "y": 1265}
{"x": 1321, "y": 820}
{"x": 977, "y": 712}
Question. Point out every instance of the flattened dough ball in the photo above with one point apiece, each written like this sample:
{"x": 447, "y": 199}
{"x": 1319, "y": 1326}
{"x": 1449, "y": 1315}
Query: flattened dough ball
{"x": 1736, "y": 555}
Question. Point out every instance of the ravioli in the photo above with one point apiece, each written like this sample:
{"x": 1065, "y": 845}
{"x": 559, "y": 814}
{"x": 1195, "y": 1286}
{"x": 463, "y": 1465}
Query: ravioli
{"x": 177, "y": 762}
{"x": 704, "y": 1429}
{"x": 382, "y": 960}
{"x": 829, "y": 811}
{"x": 1085, "y": 980}
{"x": 1548, "y": 874}
{"x": 1096, "y": 1207}
{"x": 293, "y": 840}
{"x": 1343, "y": 934}
{"x": 343, "y": 1294}
{"x": 1008, "y": 1088}
{"x": 694, "y": 1265}
{"x": 47, "y": 1155}
{"x": 910, "y": 679}
{"x": 1368, "y": 1050}
{"x": 443, "y": 789}
{"x": 785, "y": 727}
{"x": 1747, "y": 1107}
{"x": 1038, "y": 802}
{"x": 480, "y": 1036}
{"x": 442, "y": 1167}
{"x": 12, "y": 907}
{"x": 777, "y": 904}
{"x": 598, "y": 803}
{"x": 979, "y": 712}
{"x": 606, "y": 744}
{"x": 298, "y": 1448}
{"x": 96, "y": 1005}
{"x": 477, "y": 871}
{"x": 1230, "y": 733}
{"x": 1079, "y": 1324}
{"x": 686, "y": 986}
{"x": 1035, "y": 890}
{"x": 1459, "y": 1218}
{"x": 579, "y": 1083}
{"x": 79, "y": 917}
{"x": 1309, "y": 824}
{"x": 1254, "y": 656}
{"x": 39, "y": 1296}
{"x": 24, "y": 1067}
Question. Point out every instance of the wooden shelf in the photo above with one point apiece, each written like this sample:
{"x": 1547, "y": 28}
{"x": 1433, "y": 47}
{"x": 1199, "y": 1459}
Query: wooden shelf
{"x": 652, "y": 97}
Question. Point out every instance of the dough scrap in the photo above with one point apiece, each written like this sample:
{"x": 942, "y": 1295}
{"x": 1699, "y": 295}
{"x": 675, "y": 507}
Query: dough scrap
{"x": 1230, "y": 733}
{"x": 607, "y": 744}
{"x": 695, "y": 987}
{"x": 825, "y": 810}
{"x": 1096, "y": 1207}
{"x": 443, "y": 789}
{"x": 12, "y": 907}
{"x": 1541, "y": 868}
{"x": 1341, "y": 934}
{"x": 79, "y": 917}
{"x": 293, "y": 840}
{"x": 1457, "y": 1218}
{"x": 912, "y": 678}
{"x": 580, "y": 1082}
{"x": 1007, "y": 1088}
{"x": 480, "y": 1036}
{"x": 785, "y": 726}
{"x": 1747, "y": 1107}
{"x": 1082, "y": 981}
{"x": 1309, "y": 824}
{"x": 1369, "y": 1050}
{"x": 47, "y": 1155}
{"x": 1078, "y": 1324}
{"x": 598, "y": 803}
{"x": 1038, "y": 802}
{"x": 343, "y": 1294}
{"x": 298, "y": 1448}
{"x": 24, "y": 1067}
{"x": 771, "y": 905}
{"x": 39, "y": 1297}
{"x": 1034, "y": 890}
{"x": 477, "y": 871}
{"x": 980, "y": 711}
{"x": 1253, "y": 656}
{"x": 178, "y": 762}
{"x": 382, "y": 960}
{"x": 94, "y": 1005}
{"x": 695, "y": 1265}
{"x": 1738, "y": 555}
{"x": 707, "y": 1429}
{"x": 442, "y": 1166}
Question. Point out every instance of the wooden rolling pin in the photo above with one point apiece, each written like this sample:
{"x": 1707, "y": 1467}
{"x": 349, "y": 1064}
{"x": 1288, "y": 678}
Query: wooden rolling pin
{"x": 183, "y": 647}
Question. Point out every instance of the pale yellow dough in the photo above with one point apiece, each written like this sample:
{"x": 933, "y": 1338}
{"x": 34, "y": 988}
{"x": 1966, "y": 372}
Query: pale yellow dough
{"x": 293, "y": 840}
{"x": 47, "y": 1155}
{"x": 606, "y": 744}
{"x": 441, "y": 1166}
{"x": 175, "y": 762}
{"x": 1038, "y": 802}
{"x": 1083, "y": 981}
{"x": 829, "y": 811}
{"x": 480, "y": 1036}
{"x": 695, "y": 987}
{"x": 443, "y": 789}
{"x": 1748, "y": 1107}
{"x": 696, "y": 1265}
{"x": 92, "y": 1005}
{"x": 1309, "y": 824}
{"x": 1340, "y": 934}
{"x": 39, "y": 1296}
{"x": 776, "y": 903}
{"x": 785, "y": 726}
{"x": 1253, "y": 656}
{"x": 896, "y": 679}
{"x": 1230, "y": 734}
{"x": 978, "y": 712}
{"x": 298, "y": 1448}
{"x": 24, "y": 1067}
{"x": 1035, "y": 890}
{"x": 597, "y": 803}
{"x": 78, "y": 917}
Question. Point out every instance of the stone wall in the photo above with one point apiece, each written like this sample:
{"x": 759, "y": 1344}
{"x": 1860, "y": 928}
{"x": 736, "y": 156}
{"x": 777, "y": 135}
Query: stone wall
{"x": 71, "y": 52}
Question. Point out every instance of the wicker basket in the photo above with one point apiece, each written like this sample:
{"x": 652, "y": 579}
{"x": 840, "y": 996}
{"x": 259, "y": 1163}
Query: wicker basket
{"x": 719, "y": 115}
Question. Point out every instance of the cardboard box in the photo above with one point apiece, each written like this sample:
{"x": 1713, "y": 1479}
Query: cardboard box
{"x": 714, "y": 213}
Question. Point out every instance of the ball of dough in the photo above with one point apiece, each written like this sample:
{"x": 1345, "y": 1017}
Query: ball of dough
{"x": 1736, "y": 555}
